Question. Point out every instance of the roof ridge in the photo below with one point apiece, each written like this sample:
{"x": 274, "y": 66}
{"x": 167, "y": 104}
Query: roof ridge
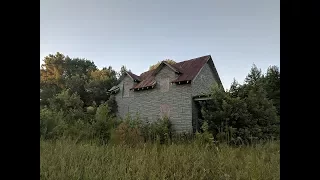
{"x": 193, "y": 59}
{"x": 147, "y": 71}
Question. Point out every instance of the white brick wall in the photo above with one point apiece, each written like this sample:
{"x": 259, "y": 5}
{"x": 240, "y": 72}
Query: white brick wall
{"x": 177, "y": 100}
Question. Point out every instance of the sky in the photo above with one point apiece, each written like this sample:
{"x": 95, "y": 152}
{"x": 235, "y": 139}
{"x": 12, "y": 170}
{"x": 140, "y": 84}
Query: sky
{"x": 137, "y": 34}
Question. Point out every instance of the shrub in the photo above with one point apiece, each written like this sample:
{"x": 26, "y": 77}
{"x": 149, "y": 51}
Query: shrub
{"x": 91, "y": 110}
{"x": 128, "y": 132}
{"x": 50, "y": 123}
{"x": 236, "y": 119}
{"x": 79, "y": 131}
{"x": 112, "y": 104}
{"x": 160, "y": 129}
{"x": 204, "y": 138}
{"x": 103, "y": 124}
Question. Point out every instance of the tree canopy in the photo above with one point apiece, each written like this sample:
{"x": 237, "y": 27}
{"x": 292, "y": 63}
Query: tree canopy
{"x": 248, "y": 111}
{"x": 78, "y": 75}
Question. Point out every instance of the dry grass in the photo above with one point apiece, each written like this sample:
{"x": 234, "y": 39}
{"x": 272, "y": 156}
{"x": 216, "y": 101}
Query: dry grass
{"x": 64, "y": 159}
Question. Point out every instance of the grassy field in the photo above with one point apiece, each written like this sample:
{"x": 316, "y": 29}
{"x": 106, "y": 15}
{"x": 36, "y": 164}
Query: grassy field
{"x": 62, "y": 160}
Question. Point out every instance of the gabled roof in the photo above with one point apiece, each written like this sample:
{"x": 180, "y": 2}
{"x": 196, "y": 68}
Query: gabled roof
{"x": 148, "y": 80}
{"x": 190, "y": 68}
{"x": 130, "y": 74}
{"x": 164, "y": 63}
{"x": 187, "y": 71}
{"x": 133, "y": 76}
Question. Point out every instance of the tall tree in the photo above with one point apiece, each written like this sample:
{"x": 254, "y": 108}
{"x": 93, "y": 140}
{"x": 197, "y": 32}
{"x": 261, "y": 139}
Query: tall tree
{"x": 122, "y": 71}
{"x": 51, "y": 77}
{"x": 52, "y": 70}
{"x": 100, "y": 82}
{"x": 272, "y": 86}
{"x": 254, "y": 76}
{"x": 78, "y": 66}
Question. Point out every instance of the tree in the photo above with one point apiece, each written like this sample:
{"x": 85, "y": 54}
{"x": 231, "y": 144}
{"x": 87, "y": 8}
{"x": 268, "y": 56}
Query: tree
{"x": 99, "y": 84}
{"x": 272, "y": 86}
{"x": 70, "y": 104}
{"x": 51, "y": 77}
{"x": 52, "y": 70}
{"x": 103, "y": 123}
{"x": 76, "y": 84}
{"x": 78, "y": 66}
{"x": 156, "y": 65}
{"x": 66, "y": 101}
{"x": 79, "y": 75}
{"x": 246, "y": 111}
{"x": 254, "y": 76}
{"x": 122, "y": 72}
{"x": 112, "y": 104}
{"x": 47, "y": 92}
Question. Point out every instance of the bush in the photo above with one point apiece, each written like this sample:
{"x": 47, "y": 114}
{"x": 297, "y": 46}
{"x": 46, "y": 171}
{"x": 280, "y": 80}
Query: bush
{"x": 91, "y": 110}
{"x": 236, "y": 118}
{"x": 204, "y": 138}
{"x": 128, "y": 132}
{"x": 79, "y": 131}
{"x": 103, "y": 124}
{"x": 112, "y": 104}
{"x": 160, "y": 129}
{"x": 51, "y": 123}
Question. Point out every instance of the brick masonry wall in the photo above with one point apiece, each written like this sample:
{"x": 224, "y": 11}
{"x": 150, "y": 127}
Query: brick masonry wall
{"x": 153, "y": 103}
{"x": 203, "y": 81}
{"x": 201, "y": 85}
{"x": 176, "y": 101}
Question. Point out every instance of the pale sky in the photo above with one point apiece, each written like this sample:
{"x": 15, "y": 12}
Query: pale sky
{"x": 137, "y": 34}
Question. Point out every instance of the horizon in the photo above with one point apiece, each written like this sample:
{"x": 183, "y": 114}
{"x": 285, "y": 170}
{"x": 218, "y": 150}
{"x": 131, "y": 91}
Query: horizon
{"x": 138, "y": 35}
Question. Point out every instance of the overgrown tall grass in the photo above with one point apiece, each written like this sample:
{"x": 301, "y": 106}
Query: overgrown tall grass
{"x": 65, "y": 159}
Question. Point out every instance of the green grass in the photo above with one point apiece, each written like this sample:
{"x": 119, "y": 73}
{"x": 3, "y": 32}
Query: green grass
{"x": 63, "y": 159}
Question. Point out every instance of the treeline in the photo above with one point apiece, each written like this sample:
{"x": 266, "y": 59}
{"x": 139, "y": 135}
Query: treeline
{"x": 247, "y": 112}
{"x": 74, "y": 103}
{"x": 79, "y": 76}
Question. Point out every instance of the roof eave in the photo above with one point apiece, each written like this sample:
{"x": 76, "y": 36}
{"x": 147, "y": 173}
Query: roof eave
{"x": 133, "y": 78}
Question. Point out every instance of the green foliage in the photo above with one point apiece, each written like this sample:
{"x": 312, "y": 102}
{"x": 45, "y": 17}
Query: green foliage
{"x": 65, "y": 118}
{"x": 74, "y": 103}
{"x": 51, "y": 123}
{"x": 243, "y": 114}
{"x": 204, "y": 138}
{"x": 112, "y": 104}
{"x": 47, "y": 92}
{"x": 66, "y": 101}
{"x": 79, "y": 131}
{"x": 103, "y": 124}
{"x": 99, "y": 83}
{"x": 272, "y": 86}
{"x": 78, "y": 67}
{"x": 128, "y": 133}
{"x": 160, "y": 130}
{"x": 80, "y": 76}
{"x": 76, "y": 109}
{"x": 122, "y": 72}
{"x": 91, "y": 110}
{"x": 65, "y": 159}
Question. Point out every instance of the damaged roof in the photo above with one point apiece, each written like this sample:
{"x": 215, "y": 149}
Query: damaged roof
{"x": 187, "y": 71}
{"x": 190, "y": 68}
{"x": 135, "y": 77}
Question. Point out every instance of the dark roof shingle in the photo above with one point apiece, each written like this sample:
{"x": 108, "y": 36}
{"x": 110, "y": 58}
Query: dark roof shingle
{"x": 135, "y": 77}
{"x": 187, "y": 71}
{"x": 190, "y": 68}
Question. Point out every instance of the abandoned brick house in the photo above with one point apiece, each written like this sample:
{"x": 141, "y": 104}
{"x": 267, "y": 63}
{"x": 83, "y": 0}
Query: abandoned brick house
{"x": 171, "y": 90}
